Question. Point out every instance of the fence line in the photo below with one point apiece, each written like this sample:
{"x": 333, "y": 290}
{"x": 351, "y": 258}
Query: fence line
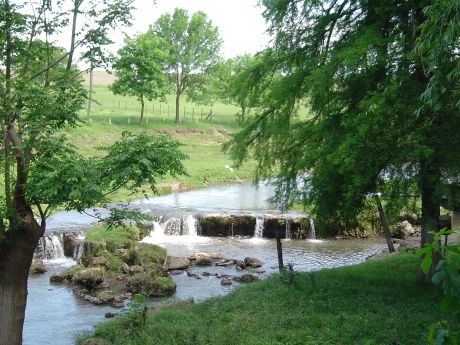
{"x": 162, "y": 111}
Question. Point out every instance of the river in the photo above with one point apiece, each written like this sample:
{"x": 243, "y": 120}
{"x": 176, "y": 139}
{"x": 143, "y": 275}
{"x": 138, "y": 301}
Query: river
{"x": 54, "y": 314}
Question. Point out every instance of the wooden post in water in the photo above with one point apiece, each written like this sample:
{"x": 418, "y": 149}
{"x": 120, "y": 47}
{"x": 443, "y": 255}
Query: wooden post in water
{"x": 383, "y": 221}
{"x": 279, "y": 249}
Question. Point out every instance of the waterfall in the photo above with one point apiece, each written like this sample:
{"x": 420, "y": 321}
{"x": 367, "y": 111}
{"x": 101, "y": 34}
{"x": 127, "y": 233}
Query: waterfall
{"x": 288, "y": 229}
{"x": 312, "y": 234}
{"x": 259, "y": 230}
{"x": 190, "y": 222}
{"x": 173, "y": 226}
{"x": 78, "y": 251}
{"x": 50, "y": 246}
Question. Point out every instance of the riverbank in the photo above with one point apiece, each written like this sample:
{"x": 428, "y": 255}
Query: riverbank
{"x": 376, "y": 302}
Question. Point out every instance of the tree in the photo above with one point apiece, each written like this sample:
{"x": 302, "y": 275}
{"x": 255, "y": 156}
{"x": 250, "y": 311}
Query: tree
{"x": 139, "y": 70}
{"x": 40, "y": 93}
{"x": 192, "y": 46}
{"x": 233, "y": 80}
{"x": 371, "y": 129}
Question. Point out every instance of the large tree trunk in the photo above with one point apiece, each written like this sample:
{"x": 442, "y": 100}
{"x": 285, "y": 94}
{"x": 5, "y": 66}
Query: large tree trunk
{"x": 15, "y": 259}
{"x": 431, "y": 203}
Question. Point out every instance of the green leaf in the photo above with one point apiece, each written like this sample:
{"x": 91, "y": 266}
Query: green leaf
{"x": 427, "y": 260}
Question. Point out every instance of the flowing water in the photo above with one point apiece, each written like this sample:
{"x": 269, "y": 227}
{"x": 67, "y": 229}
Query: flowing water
{"x": 54, "y": 314}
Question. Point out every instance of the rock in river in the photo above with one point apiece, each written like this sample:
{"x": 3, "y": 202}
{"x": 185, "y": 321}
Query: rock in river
{"x": 177, "y": 263}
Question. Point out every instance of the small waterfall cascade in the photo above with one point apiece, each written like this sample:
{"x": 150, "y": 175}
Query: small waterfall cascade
{"x": 50, "y": 246}
{"x": 191, "y": 224}
{"x": 173, "y": 227}
{"x": 54, "y": 245}
{"x": 176, "y": 226}
{"x": 288, "y": 229}
{"x": 259, "y": 229}
{"x": 312, "y": 234}
{"x": 78, "y": 251}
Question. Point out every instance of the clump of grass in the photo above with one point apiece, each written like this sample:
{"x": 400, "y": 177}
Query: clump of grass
{"x": 114, "y": 238}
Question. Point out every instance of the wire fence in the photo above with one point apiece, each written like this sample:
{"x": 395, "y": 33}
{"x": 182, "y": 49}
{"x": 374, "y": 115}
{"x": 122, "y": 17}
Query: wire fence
{"x": 128, "y": 111}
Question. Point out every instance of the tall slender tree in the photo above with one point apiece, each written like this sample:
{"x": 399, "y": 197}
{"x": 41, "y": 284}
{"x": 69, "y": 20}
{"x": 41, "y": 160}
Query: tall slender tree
{"x": 139, "y": 70}
{"x": 192, "y": 45}
{"x": 40, "y": 93}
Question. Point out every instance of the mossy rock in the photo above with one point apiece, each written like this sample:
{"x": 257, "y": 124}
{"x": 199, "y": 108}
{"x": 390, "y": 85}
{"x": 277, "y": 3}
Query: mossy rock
{"x": 89, "y": 277}
{"x": 246, "y": 278}
{"x": 59, "y": 277}
{"x": 72, "y": 271}
{"x": 144, "y": 254}
{"x": 92, "y": 249}
{"x": 37, "y": 267}
{"x": 151, "y": 284}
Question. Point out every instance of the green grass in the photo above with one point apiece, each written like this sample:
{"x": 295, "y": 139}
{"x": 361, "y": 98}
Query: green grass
{"x": 376, "y": 302}
{"x": 116, "y": 237}
{"x": 202, "y": 140}
{"x": 124, "y": 108}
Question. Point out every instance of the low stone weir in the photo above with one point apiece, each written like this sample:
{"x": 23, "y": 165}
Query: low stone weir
{"x": 56, "y": 244}
{"x": 236, "y": 225}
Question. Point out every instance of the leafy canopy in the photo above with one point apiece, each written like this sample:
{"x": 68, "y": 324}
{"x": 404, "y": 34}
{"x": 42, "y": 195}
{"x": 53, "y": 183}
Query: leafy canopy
{"x": 139, "y": 69}
{"x": 192, "y": 46}
{"x": 375, "y": 122}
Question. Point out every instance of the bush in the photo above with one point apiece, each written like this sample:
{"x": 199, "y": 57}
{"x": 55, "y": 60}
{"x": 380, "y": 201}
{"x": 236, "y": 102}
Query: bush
{"x": 151, "y": 284}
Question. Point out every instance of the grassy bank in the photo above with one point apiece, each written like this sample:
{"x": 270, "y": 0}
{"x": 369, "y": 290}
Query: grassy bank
{"x": 206, "y": 165}
{"x": 373, "y": 303}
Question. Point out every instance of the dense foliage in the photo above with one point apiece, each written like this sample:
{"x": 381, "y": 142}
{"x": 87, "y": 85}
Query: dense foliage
{"x": 139, "y": 70}
{"x": 447, "y": 276}
{"x": 382, "y": 90}
{"x": 41, "y": 93}
{"x": 191, "y": 45}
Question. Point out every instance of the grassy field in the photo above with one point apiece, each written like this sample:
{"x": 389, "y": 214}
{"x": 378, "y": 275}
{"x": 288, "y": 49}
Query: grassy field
{"x": 377, "y": 302}
{"x": 202, "y": 140}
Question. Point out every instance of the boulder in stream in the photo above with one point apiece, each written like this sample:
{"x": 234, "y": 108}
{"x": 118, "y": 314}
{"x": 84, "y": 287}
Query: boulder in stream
{"x": 252, "y": 262}
{"x": 89, "y": 277}
{"x": 246, "y": 278}
{"x": 177, "y": 263}
{"x": 205, "y": 259}
{"x": 226, "y": 281}
{"x": 37, "y": 267}
{"x": 59, "y": 277}
{"x": 71, "y": 244}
